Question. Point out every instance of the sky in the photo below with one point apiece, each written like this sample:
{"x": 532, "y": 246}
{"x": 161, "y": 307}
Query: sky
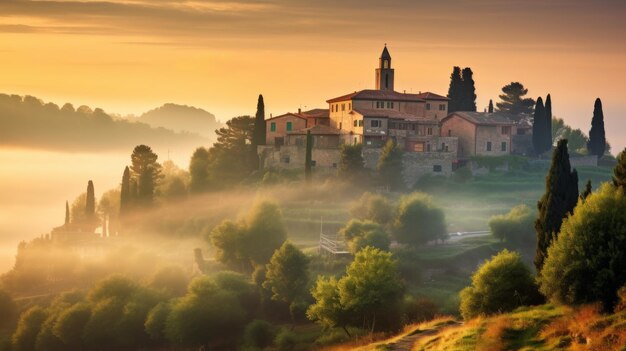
{"x": 128, "y": 56}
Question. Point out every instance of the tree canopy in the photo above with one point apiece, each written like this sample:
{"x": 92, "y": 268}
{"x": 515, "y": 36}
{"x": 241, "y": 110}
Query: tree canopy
{"x": 513, "y": 103}
{"x": 390, "y": 167}
{"x": 418, "y": 220}
{"x": 597, "y": 138}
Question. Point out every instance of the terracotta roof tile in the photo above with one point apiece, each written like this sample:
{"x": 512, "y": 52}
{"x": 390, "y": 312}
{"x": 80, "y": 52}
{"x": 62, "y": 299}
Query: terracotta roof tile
{"x": 371, "y": 94}
{"x": 483, "y": 118}
{"x": 431, "y": 96}
{"x": 392, "y": 114}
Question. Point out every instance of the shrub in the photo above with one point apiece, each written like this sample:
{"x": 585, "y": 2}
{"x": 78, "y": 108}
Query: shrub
{"x": 286, "y": 340}
{"x": 259, "y": 334}
{"x": 515, "y": 227}
{"x": 499, "y": 285}
{"x": 419, "y": 221}
{"x": 360, "y": 234}
{"x": 586, "y": 263}
{"x": 373, "y": 207}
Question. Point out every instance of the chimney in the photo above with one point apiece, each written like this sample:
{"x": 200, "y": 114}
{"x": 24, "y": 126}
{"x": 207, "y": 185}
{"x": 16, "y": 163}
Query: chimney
{"x": 299, "y": 111}
{"x": 270, "y": 115}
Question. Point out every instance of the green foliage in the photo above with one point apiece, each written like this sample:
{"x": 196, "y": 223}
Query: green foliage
{"x": 418, "y": 220}
{"x": 515, "y": 227}
{"x": 259, "y": 334}
{"x": 454, "y": 91}
{"x": 146, "y": 172}
{"x": 559, "y": 200}
{"x": 619, "y": 172}
{"x": 28, "y": 327}
{"x": 499, "y": 285}
{"x": 576, "y": 139}
{"x": 287, "y": 274}
{"x": 171, "y": 279}
{"x": 286, "y": 340}
{"x": 586, "y": 263}
{"x": 8, "y": 310}
{"x": 126, "y": 197}
{"x": 360, "y": 234}
{"x": 467, "y": 101}
{"x": 513, "y": 103}
{"x": 199, "y": 170}
{"x": 173, "y": 186}
{"x": 547, "y": 137}
{"x": 540, "y": 132}
{"x": 155, "y": 321}
{"x": 70, "y": 325}
{"x": 252, "y": 241}
{"x": 373, "y": 207}
{"x": 351, "y": 163}
{"x": 597, "y": 139}
{"x": 259, "y": 123}
{"x": 90, "y": 203}
{"x": 390, "y": 167}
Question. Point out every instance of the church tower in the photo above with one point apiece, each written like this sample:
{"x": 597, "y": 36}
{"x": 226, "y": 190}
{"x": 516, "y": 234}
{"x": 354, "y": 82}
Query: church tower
{"x": 384, "y": 72}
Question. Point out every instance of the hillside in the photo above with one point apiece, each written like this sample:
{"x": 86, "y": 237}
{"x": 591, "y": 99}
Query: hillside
{"x": 30, "y": 123}
{"x": 182, "y": 118}
{"x": 544, "y": 327}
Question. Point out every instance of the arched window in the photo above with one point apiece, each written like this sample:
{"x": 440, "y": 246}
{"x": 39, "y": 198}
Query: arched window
{"x": 385, "y": 63}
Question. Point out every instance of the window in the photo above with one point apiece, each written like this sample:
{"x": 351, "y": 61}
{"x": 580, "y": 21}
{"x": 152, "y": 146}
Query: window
{"x": 418, "y": 147}
{"x": 360, "y": 123}
{"x": 392, "y": 125}
{"x": 273, "y": 126}
{"x": 428, "y": 107}
{"x": 489, "y": 146}
{"x": 349, "y": 106}
{"x": 343, "y": 107}
{"x": 289, "y": 126}
{"x": 449, "y": 132}
{"x": 428, "y": 147}
{"x": 429, "y": 131}
{"x": 386, "y": 64}
{"x": 442, "y": 107}
{"x": 313, "y": 163}
{"x": 375, "y": 123}
{"x": 503, "y": 146}
{"x": 334, "y": 165}
{"x": 392, "y": 104}
{"x": 506, "y": 130}
{"x": 377, "y": 104}
{"x": 286, "y": 159}
{"x": 437, "y": 168}
{"x": 355, "y": 122}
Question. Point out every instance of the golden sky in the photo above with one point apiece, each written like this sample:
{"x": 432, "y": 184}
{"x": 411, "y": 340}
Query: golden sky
{"x": 128, "y": 56}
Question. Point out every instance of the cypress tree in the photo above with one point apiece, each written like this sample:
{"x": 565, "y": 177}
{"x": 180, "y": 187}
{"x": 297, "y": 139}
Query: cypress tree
{"x": 490, "y": 106}
{"x": 557, "y": 202}
{"x": 67, "y": 213}
{"x": 548, "y": 120}
{"x": 539, "y": 127}
{"x": 90, "y": 203}
{"x": 390, "y": 166}
{"x": 259, "y": 123}
{"x": 309, "y": 155}
{"x": 454, "y": 91}
{"x": 619, "y": 172}
{"x": 125, "y": 196}
{"x": 587, "y": 191}
{"x": 597, "y": 139}
{"x": 468, "y": 91}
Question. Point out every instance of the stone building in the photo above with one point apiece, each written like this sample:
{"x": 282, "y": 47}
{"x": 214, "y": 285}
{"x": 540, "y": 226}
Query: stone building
{"x": 480, "y": 133}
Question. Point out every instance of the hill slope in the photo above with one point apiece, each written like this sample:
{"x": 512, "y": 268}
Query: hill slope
{"x": 182, "y": 118}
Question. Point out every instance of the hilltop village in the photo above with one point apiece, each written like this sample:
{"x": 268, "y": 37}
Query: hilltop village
{"x": 435, "y": 140}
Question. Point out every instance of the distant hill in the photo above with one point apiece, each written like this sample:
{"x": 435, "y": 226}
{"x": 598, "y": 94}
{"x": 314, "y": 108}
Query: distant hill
{"x": 29, "y": 122}
{"x": 182, "y": 118}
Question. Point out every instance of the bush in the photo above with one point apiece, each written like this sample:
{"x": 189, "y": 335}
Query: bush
{"x": 259, "y": 334}
{"x": 500, "y": 285}
{"x": 286, "y": 340}
{"x": 373, "y": 207}
{"x": 418, "y": 309}
{"x": 586, "y": 263}
{"x": 515, "y": 227}
{"x": 419, "y": 221}
{"x": 360, "y": 234}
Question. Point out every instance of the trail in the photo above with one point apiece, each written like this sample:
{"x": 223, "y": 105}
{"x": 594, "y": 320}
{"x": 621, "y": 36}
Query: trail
{"x": 405, "y": 342}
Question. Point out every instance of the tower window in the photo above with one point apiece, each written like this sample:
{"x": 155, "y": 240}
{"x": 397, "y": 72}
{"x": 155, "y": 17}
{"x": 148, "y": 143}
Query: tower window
{"x": 386, "y": 64}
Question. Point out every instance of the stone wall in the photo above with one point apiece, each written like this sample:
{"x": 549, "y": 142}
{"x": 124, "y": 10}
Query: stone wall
{"x": 293, "y": 157}
{"x": 584, "y": 161}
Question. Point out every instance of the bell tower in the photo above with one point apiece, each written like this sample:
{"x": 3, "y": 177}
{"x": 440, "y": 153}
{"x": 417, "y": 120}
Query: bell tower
{"x": 384, "y": 72}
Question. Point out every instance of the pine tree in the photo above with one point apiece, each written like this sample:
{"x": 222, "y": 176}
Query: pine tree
{"x": 146, "y": 172}
{"x": 90, "y": 203}
{"x": 548, "y": 121}
{"x": 125, "y": 194}
{"x": 390, "y": 166}
{"x": 557, "y": 202}
{"x": 539, "y": 127}
{"x": 619, "y": 172}
{"x": 587, "y": 191}
{"x": 454, "y": 91}
{"x": 67, "y": 212}
{"x": 490, "y": 106}
{"x": 513, "y": 103}
{"x": 597, "y": 138}
{"x": 468, "y": 91}
{"x": 259, "y": 123}
{"x": 309, "y": 155}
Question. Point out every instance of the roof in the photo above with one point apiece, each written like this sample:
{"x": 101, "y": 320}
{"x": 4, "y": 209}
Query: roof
{"x": 316, "y": 113}
{"x": 318, "y": 130}
{"x": 385, "y": 53}
{"x": 371, "y": 94}
{"x": 482, "y": 118}
{"x": 288, "y": 114}
{"x": 431, "y": 96}
{"x": 392, "y": 114}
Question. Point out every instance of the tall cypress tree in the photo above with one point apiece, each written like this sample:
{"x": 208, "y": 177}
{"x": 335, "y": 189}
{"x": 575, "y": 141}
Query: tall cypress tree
{"x": 619, "y": 172}
{"x": 548, "y": 120}
{"x": 309, "y": 155}
{"x": 468, "y": 91}
{"x": 90, "y": 202}
{"x": 539, "y": 127}
{"x": 67, "y": 213}
{"x": 125, "y": 195}
{"x": 454, "y": 91}
{"x": 490, "y": 106}
{"x": 597, "y": 139}
{"x": 557, "y": 202}
{"x": 259, "y": 123}
{"x": 390, "y": 166}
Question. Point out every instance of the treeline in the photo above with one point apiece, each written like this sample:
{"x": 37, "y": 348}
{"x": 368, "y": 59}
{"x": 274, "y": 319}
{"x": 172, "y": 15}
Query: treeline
{"x": 29, "y": 122}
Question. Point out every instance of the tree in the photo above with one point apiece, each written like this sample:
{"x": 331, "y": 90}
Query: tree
{"x": 513, "y": 102}
{"x": 490, "y": 110}
{"x": 539, "y": 128}
{"x": 259, "y": 123}
{"x": 548, "y": 122}
{"x": 8, "y": 309}
{"x": 90, "y": 202}
{"x": 499, "y": 285}
{"x": 67, "y": 212}
{"x": 516, "y": 227}
{"x": 619, "y": 172}
{"x": 308, "y": 157}
{"x": 390, "y": 166}
{"x": 468, "y": 91}
{"x": 233, "y": 157}
{"x": 125, "y": 193}
{"x": 287, "y": 275}
{"x": 418, "y": 220}
{"x": 454, "y": 92}
{"x": 327, "y": 309}
{"x": 28, "y": 327}
{"x": 586, "y": 264}
{"x": 259, "y": 334}
{"x": 557, "y": 202}
{"x": 597, "y": 137}
{"x": 351, "y": 163}
{"x": 199, "y": 170}
{"x": 70, "y": 325}
{"x": 360, "y": 234}
{"x": 588, "y": 190}
{"x": 146, "y": 171}
{"x": 373, "y": 207}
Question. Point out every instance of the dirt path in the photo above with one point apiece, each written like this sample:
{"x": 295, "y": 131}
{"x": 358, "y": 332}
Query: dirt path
{"x": 406, "y": 342}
